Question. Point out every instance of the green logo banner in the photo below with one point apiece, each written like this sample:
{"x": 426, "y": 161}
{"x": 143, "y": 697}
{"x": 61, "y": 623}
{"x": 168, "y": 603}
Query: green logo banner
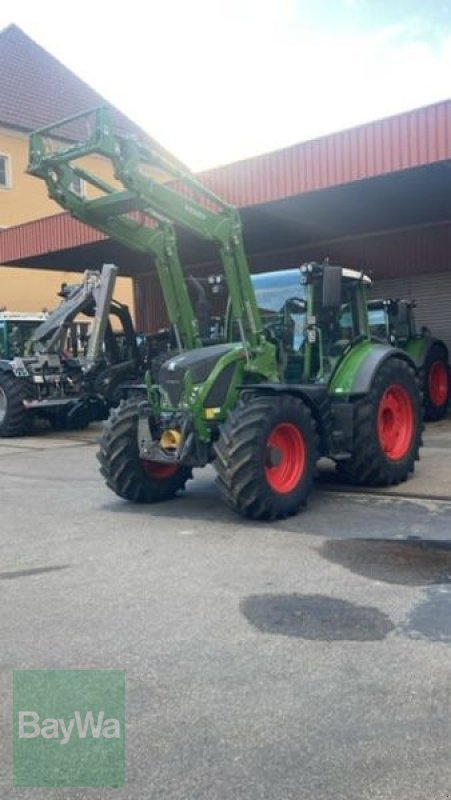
{"x": 69, "y": 728}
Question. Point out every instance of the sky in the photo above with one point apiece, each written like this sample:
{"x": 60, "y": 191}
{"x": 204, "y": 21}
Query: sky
{"x": 219, "y": 80}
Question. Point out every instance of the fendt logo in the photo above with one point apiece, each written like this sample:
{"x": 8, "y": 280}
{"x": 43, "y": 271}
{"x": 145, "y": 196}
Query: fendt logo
{"x": 30, "y": 727}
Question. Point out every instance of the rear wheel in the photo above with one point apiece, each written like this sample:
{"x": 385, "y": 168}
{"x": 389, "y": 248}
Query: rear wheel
{"x": 266, "y": 456}
{"x": 387, "y": 429}
{"x": 125, "y": 473}
{"x": 15, "y": 420}
{"x": 436, "y": 383}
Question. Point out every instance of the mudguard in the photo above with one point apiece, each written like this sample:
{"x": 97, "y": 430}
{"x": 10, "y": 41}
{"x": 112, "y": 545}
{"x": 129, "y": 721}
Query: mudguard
{"x": 354, "y": 375}
{"x": 419, "y": 349}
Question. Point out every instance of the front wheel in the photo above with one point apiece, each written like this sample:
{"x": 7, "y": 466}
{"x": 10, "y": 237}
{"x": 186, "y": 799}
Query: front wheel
{"x": 15, "y": 420}
{"x": 125, "y": 473}
{"x": 387, "y": 428}
{"x": 266, "y": 456}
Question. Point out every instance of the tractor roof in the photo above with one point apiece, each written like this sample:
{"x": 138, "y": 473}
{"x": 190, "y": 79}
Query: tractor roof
{"x": 22, "y": 316}
{"x": 354, "y": 274}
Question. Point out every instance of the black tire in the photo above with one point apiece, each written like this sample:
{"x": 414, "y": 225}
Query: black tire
{"x": 122, "y": 467}
{"x": 245, "y": 478}
{"x": 370, "y": 464}
{"x": 435, "y": 408}
{"x": 15, "y": 420}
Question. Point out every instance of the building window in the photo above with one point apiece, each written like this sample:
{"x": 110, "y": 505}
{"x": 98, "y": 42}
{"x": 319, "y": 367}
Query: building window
{"x": 5, "y": 172}
{"x": 78, "y": 186}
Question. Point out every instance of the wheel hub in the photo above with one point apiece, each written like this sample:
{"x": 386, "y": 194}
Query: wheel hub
{"x": 274, "y": 456}
{"x": 157, "y": 470}
{"x": 285, "y": 457}
{"x": 438, "y": 384}
{"x": 395, "y": 422}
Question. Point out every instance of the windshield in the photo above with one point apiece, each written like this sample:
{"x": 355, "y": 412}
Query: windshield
{"x": 17, "y": 335}
{"x": 273, "y": 289}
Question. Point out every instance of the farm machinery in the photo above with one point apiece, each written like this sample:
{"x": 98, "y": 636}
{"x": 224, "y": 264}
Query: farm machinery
{"x": 298, "y": 376}
{"x": 46, "y": 379}
{"x": 16, "y": 328}
{"x": 393, "y": 321}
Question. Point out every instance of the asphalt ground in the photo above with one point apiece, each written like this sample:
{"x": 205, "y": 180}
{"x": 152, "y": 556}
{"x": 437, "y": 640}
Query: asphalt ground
{"x": 308, "y": 659}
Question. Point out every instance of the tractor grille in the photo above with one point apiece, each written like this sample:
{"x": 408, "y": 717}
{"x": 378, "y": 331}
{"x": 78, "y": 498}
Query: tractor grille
{"x": 171, "y": 380}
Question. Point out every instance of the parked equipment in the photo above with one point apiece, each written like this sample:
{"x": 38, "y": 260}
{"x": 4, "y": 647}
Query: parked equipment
{"x": 299, "y": 376}
{"x": 394, "y": 321}
{"x": 16, "y": 328}
{"x": 48, "y": 382}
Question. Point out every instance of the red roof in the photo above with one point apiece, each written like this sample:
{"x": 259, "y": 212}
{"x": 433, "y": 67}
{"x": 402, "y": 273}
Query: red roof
{"x": 412, "y": 139}
{"x": 48, "y": 235}
{"x": 282, "y": 195}
{"x": 35, "y": 88}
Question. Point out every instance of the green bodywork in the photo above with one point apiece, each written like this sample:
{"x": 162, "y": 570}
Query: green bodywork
{"x": 417, "y": 349}
{"x": 393, "y": 321}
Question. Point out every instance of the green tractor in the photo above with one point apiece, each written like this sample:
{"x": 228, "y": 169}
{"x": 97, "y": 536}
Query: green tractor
{"x": 298, "y": 376}
{"x": 393, "y": 321}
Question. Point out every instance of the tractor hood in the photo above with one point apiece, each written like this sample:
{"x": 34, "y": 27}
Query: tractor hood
{"x": 199, "y": 363}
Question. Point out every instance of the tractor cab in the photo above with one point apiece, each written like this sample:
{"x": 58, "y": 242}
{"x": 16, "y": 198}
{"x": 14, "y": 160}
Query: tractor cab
{"x": 16, "y": 329}
{"x": 312, "y": 315}
{"x": 392, "y": 321}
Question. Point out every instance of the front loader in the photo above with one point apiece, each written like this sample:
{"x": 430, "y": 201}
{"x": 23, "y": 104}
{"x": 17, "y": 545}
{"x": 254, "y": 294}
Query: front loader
{"x": 394, "y": 321}
{"x": 298, "y": 377}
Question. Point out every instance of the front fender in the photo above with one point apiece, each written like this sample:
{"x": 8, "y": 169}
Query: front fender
{"x": 356, "y": 372}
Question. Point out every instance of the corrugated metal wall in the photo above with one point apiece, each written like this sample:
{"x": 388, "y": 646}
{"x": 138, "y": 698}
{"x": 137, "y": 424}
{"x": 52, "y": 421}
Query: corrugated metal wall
{"x": 47, "y": 235}
{"x": 150, "y": 309}
{"x": 432, "y": 292}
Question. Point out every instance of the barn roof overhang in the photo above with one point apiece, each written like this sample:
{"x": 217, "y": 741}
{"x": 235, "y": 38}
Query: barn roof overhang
{"x": 273, "y": 230}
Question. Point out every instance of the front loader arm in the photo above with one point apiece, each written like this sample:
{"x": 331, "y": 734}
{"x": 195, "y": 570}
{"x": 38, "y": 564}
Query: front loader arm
{"x": 79, "y": 300}
{"x": 180, "y": 200}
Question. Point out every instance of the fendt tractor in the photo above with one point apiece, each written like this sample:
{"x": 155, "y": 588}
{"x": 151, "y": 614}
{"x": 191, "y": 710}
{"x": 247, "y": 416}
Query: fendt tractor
{"x": 299, "y": 376}
{"x": 394, "y": 321}
{"x": 49, "y": 378}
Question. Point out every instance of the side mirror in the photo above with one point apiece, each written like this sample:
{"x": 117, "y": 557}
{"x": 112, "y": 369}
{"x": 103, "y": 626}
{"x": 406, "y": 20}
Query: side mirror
{"x": 332, "y": 277}
{"x": 295, "y": 305}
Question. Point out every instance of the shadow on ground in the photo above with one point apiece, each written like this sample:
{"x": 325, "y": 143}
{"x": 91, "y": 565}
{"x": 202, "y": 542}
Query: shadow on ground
{"x": 315, "y": 617}
{"x": 408, "y": 562}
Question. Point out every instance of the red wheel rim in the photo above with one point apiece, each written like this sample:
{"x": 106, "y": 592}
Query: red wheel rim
{"x": 157, "y": 471}
{"x": 285, "y": 457}
{"x": 395, "y": 424}
{"x": 438, "y": 383}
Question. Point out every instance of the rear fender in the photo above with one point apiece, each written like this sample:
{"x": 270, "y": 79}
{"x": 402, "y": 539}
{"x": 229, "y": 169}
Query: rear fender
{"x": 356, "y": 372}
{"x": 419, "y": 349}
